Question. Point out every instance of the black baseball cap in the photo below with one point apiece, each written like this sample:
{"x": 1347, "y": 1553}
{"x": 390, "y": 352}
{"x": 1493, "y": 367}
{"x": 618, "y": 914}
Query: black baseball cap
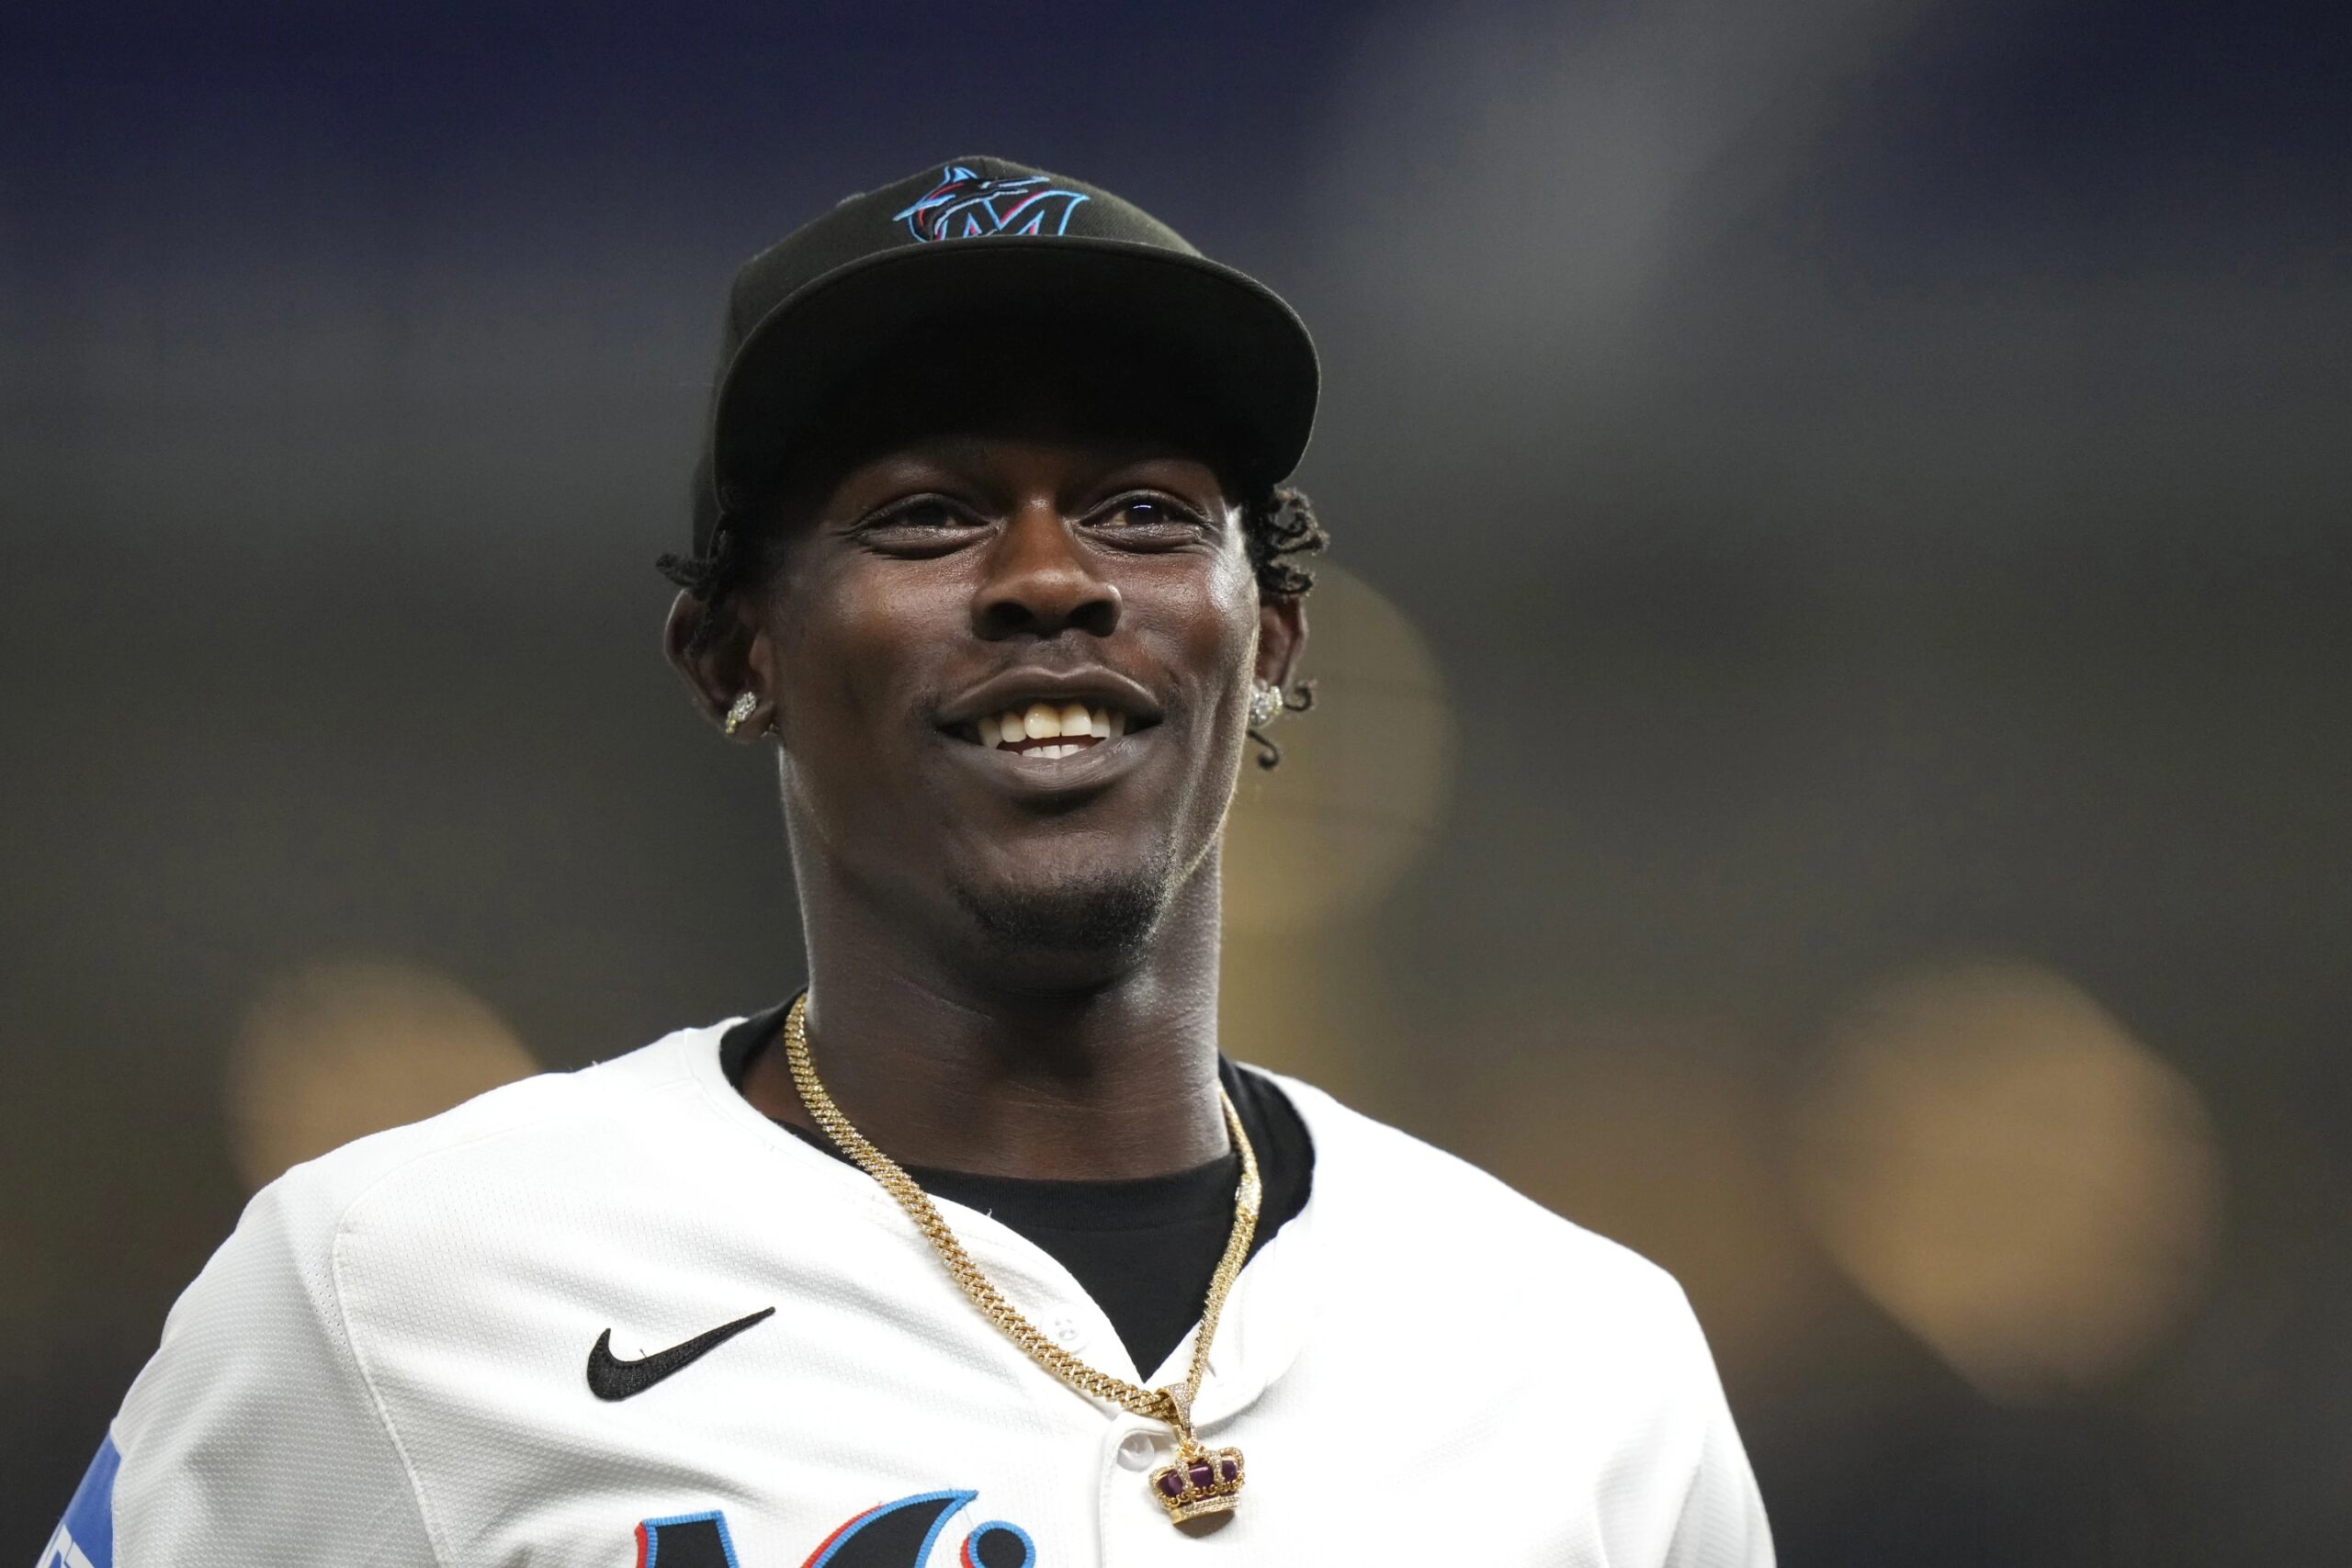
{"x": 954, "y": 251}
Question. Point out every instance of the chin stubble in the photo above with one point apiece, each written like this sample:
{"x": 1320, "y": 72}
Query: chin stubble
{"x": 1106, "y": 917}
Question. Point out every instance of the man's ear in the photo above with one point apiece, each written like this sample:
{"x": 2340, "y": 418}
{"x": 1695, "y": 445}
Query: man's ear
{"x": 723, "y": 668}
{"x": 1281, "y": 636}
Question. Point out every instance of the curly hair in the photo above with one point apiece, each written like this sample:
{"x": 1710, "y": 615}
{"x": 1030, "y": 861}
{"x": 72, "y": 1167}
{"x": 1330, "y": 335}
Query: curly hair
{"x": 1278, "y": 525}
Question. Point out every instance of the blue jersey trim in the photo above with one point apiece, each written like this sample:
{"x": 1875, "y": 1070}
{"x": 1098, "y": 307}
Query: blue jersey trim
{"x": 86, "y": 1536}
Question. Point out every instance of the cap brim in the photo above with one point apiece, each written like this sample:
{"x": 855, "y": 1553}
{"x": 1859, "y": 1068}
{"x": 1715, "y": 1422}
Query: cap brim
{"x": 1221, "y": 331}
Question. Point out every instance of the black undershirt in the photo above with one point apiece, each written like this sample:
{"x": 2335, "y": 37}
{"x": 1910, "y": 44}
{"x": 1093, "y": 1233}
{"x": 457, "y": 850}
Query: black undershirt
{"x": 1145, "y": 1250}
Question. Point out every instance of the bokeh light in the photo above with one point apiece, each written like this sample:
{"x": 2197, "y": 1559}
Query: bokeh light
{"x": 349, "y": 1046}
{"x": 1363, "y": 777}
{"x": 2008, "y": 1174}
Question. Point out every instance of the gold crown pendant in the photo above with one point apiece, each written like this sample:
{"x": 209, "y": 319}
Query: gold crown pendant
{"x": 1202, "y": 1480}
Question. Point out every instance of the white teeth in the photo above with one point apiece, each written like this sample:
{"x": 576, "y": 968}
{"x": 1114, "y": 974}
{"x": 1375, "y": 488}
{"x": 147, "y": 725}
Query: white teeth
{"x": 1050, "y": 721}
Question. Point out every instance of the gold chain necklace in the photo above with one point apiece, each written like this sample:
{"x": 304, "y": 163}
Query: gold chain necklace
{"x": 1202, "y": 1480}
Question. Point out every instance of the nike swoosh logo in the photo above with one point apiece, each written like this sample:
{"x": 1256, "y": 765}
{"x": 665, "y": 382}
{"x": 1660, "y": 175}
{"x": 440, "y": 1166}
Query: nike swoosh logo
{"x": 609, "y": 1376}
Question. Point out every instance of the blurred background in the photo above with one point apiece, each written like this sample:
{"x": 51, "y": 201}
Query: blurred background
{"x": 1832, "y": 760}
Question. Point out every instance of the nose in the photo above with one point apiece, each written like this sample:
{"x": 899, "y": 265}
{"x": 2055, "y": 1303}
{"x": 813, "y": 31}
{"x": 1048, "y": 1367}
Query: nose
{"x": 1039, "y": 581}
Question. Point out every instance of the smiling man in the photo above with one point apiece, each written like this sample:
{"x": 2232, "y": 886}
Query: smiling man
{"x": 981, "y": 1250}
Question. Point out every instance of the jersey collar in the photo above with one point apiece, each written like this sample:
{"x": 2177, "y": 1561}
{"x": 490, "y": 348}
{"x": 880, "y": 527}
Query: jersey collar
{"x": 1266, "y": 1316}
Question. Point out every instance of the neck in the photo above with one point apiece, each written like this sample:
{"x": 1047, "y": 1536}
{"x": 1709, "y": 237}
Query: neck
{"x": 941, "y": 1064}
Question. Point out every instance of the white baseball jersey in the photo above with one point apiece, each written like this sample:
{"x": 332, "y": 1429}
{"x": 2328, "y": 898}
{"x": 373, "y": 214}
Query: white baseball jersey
{"x": 618, "y": 1316}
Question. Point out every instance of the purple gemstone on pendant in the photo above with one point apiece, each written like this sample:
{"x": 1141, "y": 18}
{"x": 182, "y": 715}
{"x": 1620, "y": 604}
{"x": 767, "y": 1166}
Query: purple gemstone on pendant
{"x": 1202, "y": 1477}
{"x": 1172, "y": 1483}
{"x": 1229, "y": 1469}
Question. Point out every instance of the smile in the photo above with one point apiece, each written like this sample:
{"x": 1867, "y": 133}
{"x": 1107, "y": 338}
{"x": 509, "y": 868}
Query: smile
{"x": 1047, "y": 730}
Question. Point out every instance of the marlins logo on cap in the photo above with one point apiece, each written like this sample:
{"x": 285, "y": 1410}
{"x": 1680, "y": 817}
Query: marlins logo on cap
{"x": 966, "y": 203}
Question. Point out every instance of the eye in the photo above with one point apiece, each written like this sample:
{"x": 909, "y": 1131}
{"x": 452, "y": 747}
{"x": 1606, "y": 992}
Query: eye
{"x": 918, "y": 521}
{"x": 1149, "y": 512}
{"x": 918, "y": 511}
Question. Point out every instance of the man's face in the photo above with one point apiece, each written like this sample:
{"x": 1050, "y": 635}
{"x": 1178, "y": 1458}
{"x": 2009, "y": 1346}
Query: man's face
{"x": 1011, "y": 674}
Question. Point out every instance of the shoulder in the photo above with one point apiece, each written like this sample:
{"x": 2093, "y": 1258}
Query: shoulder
{"x": 1558, "y": 1319}
{"x": 261, "y": 1387}
{"x": 480, "y": 1162}
{"x": 256, "y": 1432}
{"x": 1465, "y": 1240}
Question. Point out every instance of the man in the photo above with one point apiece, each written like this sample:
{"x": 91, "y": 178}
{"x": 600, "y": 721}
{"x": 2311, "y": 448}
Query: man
{"x": 980, "y": 1252}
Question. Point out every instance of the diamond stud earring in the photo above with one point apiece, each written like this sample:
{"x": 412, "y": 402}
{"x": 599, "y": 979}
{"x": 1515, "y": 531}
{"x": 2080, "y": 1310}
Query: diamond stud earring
{"x": 741, "y": 710}
{"x": 1265, "y": 704}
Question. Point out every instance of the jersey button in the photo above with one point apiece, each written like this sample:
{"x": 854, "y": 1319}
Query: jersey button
{"x": 1139, "y": 1451}
{"x": 1068, "y": 1333}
